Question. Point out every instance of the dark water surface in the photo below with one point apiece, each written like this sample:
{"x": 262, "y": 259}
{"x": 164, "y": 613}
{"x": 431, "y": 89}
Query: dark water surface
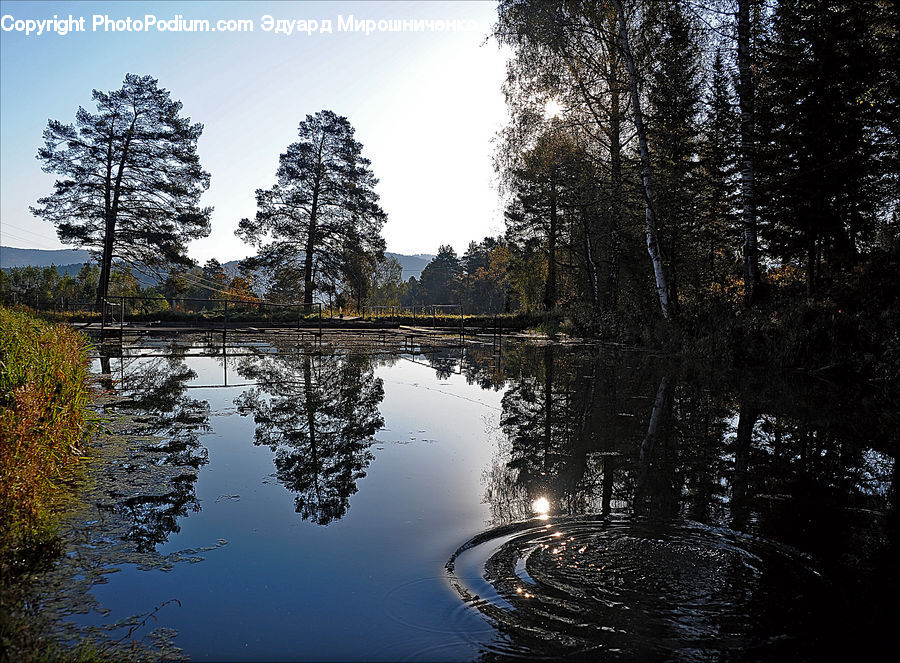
{"x": 293, "y": 501}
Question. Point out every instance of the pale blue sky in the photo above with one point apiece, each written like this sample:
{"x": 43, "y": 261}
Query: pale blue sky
{"x": 424, "y": 104}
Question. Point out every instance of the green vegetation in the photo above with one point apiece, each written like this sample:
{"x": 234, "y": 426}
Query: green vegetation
{"x": 27, "y": 644}
{"x": 45, "y": 417}
{"x": 45, "y": 288}
{"x": 45, "y": 414}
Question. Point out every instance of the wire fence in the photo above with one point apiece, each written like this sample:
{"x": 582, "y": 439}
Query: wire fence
{"x": 419, "y": 313}
{"x": 208, "y": 313}
{"x": 118, "y": 312}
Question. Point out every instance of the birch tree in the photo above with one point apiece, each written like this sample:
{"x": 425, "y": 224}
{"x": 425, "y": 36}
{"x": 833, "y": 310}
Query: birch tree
{"x": 668, "y": 304}
{"x": 582, "y": 51}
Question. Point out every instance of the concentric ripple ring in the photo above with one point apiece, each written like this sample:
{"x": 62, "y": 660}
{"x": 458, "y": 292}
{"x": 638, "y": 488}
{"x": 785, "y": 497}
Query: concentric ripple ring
{"x": 570, "y": 587}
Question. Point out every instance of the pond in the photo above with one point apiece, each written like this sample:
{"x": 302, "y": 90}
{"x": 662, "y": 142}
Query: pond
{"x": 279, "y": 500}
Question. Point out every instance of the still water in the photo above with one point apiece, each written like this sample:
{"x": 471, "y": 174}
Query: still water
{"x": 281, "y": 501}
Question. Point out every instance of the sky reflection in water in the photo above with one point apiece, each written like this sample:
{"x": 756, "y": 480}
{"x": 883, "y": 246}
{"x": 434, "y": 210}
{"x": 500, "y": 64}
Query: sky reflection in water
{"x": 383, "y": 507}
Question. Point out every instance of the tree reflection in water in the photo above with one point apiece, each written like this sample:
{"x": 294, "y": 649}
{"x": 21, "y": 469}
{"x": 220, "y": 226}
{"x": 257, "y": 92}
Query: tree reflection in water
{"x": 644, "y": 458}
{"x": 319, "y": 414}
{"x": 165, "y": 424}
{"x": 689, "y": 515}
{"x": 140, "y": 485}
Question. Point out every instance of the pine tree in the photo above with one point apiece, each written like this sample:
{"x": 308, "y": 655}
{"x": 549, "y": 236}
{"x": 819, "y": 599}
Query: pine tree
{"x": 823, "y": 161}
{"x": 131, "y": 179}
{"x": 440, "y": 278}
{"x": 322, "y": 216}
{"x": 673, "y": 103}
{"x": 719, "y": 231}
{"x": 747, "y": 101}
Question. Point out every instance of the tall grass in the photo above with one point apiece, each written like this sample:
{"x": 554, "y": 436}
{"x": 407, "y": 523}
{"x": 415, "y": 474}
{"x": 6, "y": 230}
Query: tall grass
{"x": 45, "y": 414}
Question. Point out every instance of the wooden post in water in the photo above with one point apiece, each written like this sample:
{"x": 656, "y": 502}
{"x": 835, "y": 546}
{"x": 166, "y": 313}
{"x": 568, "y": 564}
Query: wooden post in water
{"x": 225, "y": 324}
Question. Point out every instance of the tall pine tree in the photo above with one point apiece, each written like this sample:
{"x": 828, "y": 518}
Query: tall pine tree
{"x": 322, "y": 216}
{"x": 131, "y": 179}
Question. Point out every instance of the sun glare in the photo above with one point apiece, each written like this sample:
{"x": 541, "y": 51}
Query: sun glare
{"x": 541, "y": 506}
{"x": 553, "y": 108}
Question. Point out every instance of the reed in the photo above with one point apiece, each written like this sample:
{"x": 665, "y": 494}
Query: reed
{"x": 45, "y": 415}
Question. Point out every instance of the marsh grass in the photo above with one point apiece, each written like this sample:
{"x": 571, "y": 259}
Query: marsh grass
{"x": 45, "y": 416}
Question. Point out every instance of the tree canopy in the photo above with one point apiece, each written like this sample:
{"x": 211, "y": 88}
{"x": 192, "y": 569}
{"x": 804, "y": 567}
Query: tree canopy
{"x": 130, "y": 179}
{"x": 322, "y": 216}
{"x": 752, "y": 138}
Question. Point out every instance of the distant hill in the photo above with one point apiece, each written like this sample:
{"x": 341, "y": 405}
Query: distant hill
{"x": 13, "y": 257}
{"x": 69, "y": 261}
{"x": 412, "y": 265}
{"x": 71, "y": 270}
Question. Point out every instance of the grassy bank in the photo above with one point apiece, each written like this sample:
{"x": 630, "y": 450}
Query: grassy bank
{"x": 45, "y": 414}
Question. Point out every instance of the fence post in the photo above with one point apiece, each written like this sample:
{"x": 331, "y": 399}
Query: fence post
{"x": 121, "y": 318}
{"x": 225, "y": 324}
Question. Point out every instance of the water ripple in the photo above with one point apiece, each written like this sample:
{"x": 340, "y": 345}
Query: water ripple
{"x": 573, "y": 587}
